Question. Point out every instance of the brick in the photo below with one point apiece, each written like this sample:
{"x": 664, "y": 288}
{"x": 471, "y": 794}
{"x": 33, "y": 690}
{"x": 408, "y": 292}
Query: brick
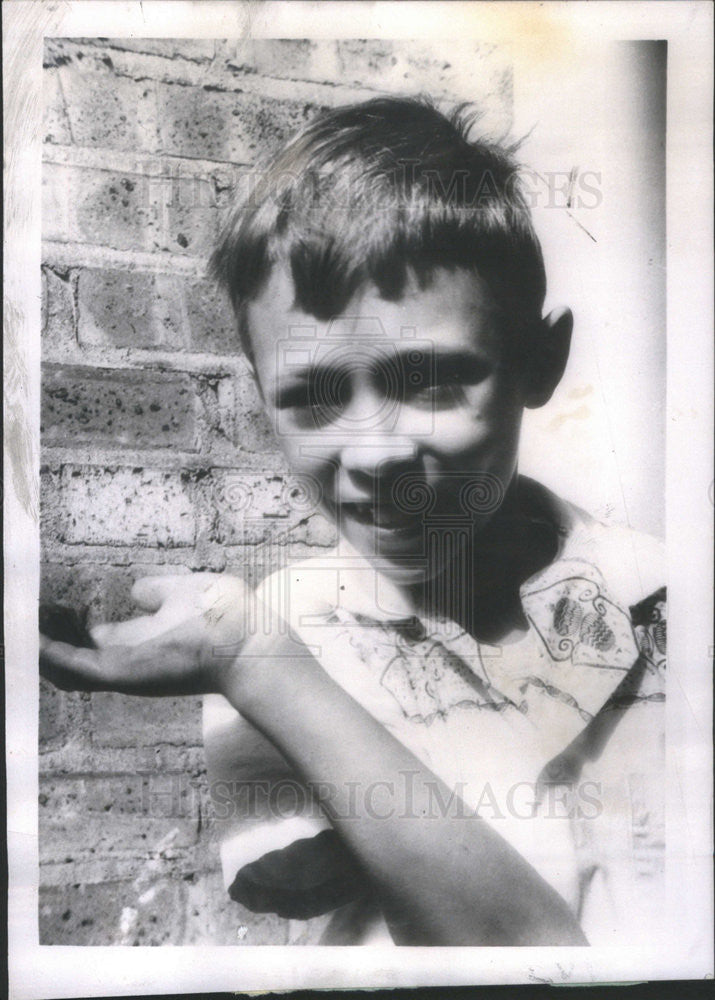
{"x": 121, "y": 409}
{"x": 195, "y": 910}
{"x": 52, "y": 720}
{"x": 197, "y": 123}
{"x": 216, "y": 398}
{"x": 77, "y": 834}
{"x": 181, "y": 862}
{"x": 255, "y": 508}
{"x": 253, "y": 563}
{"x": 231, "y": 126}
{"x": 252, "y": 428}
{"x": 104, "y": 591}
{"x": 464, "y": 70}
{"x": 252, "y": 507}
{"x": 158, "y": 558}
{"x": 141, "y": 309}
{"x": 130, "y": 309}
{"x": 195, "y": 49}
{"x": 292, "y": 58}
{"x": 58, "y": 312}
{"x": 319, "y": 532}
{"x": 212, "y": 325}
{"x": 58, "y": 52}
{"x": 212, "y": 917}
{"x": 147, "y": 792}
{"x": 99, "y": 826}
{"x": 81, "y": 817}
{"x": 112, "y": 913}
{"x": 83, "y": 758}
{"x": 366, "y": 61}
{"x": 109, "y": 111}
{"x": 119, "y": 507}
{"x": 55, "y": 124}
{"x": 129, "y": 210}
{"x": 234, "y": 414}
{"x": 98, "y": 206}
{"x": 122, "y": 721}
{"x": 86, "y": 869}
{"x": 61, "y": 715}
{"x": 186, "y": 61}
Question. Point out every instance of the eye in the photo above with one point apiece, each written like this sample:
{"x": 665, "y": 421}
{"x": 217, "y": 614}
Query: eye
{"x": 315, "y": 400}
{"x": 445, "y": 383}
{"x": 460, "y": 371}
{"x": 293, "y": 396}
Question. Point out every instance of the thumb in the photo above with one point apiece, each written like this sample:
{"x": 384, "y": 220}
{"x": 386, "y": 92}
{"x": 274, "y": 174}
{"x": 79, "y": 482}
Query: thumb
{"x": 150, "y": 592}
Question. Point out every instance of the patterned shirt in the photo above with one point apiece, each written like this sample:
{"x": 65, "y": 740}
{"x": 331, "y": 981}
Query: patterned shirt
{"x": 556, "y": 739}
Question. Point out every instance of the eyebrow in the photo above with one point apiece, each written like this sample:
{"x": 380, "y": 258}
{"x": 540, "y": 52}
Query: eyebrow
{"x": 438, "y": 358}
{"x": 458, "y": 355}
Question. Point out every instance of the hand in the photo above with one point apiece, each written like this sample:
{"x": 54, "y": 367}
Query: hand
{"x": 196, "y": 629}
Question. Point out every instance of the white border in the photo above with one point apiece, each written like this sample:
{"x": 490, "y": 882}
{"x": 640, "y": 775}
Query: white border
{"x": 50, "y": 972}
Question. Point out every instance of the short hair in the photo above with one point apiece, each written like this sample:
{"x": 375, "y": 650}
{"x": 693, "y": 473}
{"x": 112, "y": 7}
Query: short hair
{"x": 368, "y": 192}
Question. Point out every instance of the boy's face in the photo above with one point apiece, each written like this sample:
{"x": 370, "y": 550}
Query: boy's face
{"x": 390, "y": 402}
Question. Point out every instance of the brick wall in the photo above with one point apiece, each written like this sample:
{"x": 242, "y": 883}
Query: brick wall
{"x": 156, "y": 455}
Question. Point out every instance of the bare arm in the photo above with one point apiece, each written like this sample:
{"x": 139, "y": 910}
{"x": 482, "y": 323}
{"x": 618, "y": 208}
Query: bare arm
{"x": 441, "y": 880}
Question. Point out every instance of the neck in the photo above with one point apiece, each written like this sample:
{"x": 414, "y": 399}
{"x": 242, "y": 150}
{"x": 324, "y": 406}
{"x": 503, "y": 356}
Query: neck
{"x": 479, "y": 587}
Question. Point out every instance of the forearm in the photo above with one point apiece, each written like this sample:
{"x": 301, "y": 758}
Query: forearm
{"x": 442, "y": 879}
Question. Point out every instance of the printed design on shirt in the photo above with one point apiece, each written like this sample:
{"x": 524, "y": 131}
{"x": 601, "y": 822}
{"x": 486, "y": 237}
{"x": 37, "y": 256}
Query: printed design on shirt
{"x": 553, "y": 692}
{"x": 432, "y": 668}
{"x": 647, "y": 682}
{"x": 425, "y": 677}
{"x": 578, "y": 621}
{"x": 650, "y": 625}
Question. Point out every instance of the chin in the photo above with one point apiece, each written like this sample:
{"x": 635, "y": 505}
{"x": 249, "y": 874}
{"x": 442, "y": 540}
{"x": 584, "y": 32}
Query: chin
{"x": 405, "y": 573}
{"x": 402, "y": 560}
{"x": 404, "y": 576}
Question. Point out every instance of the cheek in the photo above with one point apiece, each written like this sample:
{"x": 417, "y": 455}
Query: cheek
{"x": 295, "y": 446}
{"x": 308, "y": 457}
{"x": 487, "y": 424}
{"x": 465, "y": 438}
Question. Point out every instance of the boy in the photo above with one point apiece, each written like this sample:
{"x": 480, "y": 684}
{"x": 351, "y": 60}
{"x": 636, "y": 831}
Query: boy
{"x": 471, "y": 685}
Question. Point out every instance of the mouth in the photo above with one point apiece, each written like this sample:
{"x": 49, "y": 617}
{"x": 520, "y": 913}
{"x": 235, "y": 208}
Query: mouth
{"x": 382, "y": 517}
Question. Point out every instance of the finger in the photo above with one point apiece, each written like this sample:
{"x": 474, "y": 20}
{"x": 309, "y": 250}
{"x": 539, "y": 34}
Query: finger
{"x": 185, "y": 596}
{"x": 129, "y": 633}
{"x": 72, "y": 668}
{"x": 135, "y": 631}
{"x": 150, "y": 592}
{"x": 164, "y": 666}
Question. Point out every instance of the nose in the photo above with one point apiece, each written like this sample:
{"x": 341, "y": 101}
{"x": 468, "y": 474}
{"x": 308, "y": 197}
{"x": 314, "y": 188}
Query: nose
{"x": 374, "y": 462}
{"x": 376, "y": 444}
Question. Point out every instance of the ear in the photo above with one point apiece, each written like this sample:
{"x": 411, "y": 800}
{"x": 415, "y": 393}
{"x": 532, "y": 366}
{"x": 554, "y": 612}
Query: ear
{"x": 547, "y": 357}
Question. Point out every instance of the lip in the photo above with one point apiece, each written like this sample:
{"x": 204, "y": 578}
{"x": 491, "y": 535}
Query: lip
{"x": 385, "y": 521}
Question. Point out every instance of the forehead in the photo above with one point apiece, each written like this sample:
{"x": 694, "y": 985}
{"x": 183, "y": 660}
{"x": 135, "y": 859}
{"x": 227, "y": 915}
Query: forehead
{"x": 456, "y": 311}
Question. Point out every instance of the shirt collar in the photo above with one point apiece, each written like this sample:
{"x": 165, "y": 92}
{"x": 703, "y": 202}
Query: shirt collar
{"x": 572, "y": 612}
